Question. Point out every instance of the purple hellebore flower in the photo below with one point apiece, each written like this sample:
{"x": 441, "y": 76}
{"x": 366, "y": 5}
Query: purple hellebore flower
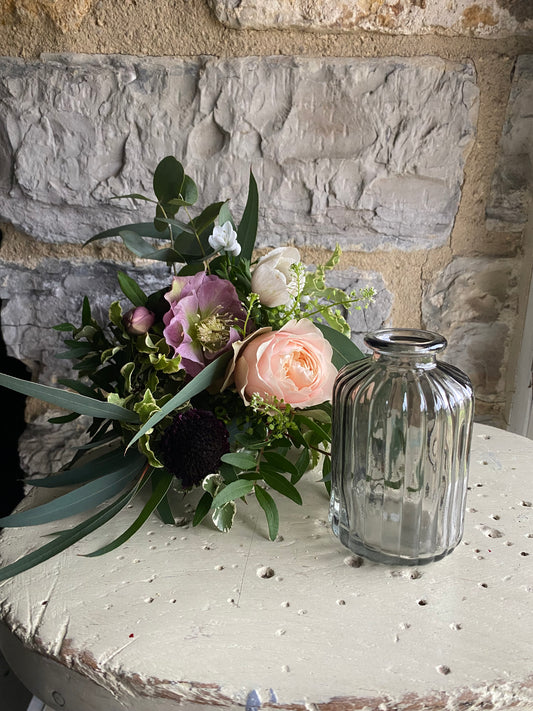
{"x": 205, "y": 313}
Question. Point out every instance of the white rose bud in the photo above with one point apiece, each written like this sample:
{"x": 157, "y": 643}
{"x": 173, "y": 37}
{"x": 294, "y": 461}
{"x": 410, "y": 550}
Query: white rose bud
{"x": 225, "y": 238}
{"x": 273, "y": 279}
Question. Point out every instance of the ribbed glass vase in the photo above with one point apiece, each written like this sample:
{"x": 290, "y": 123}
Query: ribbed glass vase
{"x": 402, "y": 425}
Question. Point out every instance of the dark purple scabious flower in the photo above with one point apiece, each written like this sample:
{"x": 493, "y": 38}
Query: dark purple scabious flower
{"x": 191, "y": 447}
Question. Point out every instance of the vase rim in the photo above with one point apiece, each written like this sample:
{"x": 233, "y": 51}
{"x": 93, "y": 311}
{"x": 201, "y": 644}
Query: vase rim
{"x": 405, "y": 340}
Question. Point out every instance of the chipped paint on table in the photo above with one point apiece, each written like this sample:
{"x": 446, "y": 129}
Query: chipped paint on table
{"x": 202, "y": 619}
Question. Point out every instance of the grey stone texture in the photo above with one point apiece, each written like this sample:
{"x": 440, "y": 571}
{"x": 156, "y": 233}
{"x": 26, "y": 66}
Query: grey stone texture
{"x": 35, "y": 300}
{"x": 376, "y": 315}
{"x": 44, "y": 447}
{"x": 491, "y": 18}
{"x": 473, "y": 303}
{"x": 512, "y": 184}
{"x": 368, "y": 153}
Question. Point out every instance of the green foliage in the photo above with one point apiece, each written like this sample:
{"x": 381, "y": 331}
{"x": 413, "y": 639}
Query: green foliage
{"x": 132, "y": 384}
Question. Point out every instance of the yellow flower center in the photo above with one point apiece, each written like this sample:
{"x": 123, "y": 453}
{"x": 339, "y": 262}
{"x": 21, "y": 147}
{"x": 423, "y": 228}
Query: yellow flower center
{"x": 213, "y": 332}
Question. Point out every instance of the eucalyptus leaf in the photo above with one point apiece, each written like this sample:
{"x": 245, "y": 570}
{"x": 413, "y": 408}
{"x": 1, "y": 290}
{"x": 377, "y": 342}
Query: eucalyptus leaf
{"x": 67, "y": 400}
{"x": 82, "y": 499}
{"x": 168, "y": 179}
{"x": 65, "y": 539}
{"x": 189, "y": 190}
{"x": 161, "y": 481}
{"x": 182, "y": 226}
{"x": 106, "y": 463}
{"x": 133, "y": 196}
{"x": 136, "y": 244}
{"x": 143, "y": 229}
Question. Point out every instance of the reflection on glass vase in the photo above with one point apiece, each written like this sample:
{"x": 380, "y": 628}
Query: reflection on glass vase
{"x": 402, "y": 424}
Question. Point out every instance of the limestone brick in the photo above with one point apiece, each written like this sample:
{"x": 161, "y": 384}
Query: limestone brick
{"x": 368, "y": 153}
{"x": 512, "y": 183}
{"x": 473, "y": 302}
{"x": 490, "y": 18}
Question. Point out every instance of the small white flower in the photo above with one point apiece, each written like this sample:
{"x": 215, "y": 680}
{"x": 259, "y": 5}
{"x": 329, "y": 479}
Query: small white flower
{"x": 224, "y": 237}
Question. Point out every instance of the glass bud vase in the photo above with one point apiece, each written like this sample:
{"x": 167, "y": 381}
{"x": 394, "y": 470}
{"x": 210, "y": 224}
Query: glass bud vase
{"x": 402, "y": 424}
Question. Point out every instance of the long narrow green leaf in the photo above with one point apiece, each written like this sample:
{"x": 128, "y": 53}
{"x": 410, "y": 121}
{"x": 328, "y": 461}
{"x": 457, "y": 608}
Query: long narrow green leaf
{"x": 247, "y": 231}
{"x": 241, "y": 460}
{"x": 278, "y": 482}
{"x": 173, "y": 222}
{"x": 80, "y": 388}
{"x": 69, "y": 401}
{"x": 232, "y": 491}
{"x": 86, "y": 312}
{"x": 106, "y": 439}
{"x": 203, "y": 380}
{"x": 165, "y": 512}
{"x": 344, "y": 350}
{"x": 267, "y": 503}
{"x": 65, "y": 539}
{"x": 104, "y": 464}
{"x": 131, "y": 289}
{"x": 136, "y": 244}
{"x": 314, "y": 427}
{"x": 281, "y": 463}
{"x": 207, "y": 216}
{"x": 145, "y": 229}
{"x": 82, "y": 499}
{"x": 202, "y": 509}
{"x": 161, "y": 481}
{"x": 132, "y": 196}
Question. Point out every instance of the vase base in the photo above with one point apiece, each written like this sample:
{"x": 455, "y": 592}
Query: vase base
{"x": 357, "y": 547}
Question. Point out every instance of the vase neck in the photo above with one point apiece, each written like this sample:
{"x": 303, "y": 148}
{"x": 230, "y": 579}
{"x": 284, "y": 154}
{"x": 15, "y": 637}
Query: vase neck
{"x": 406, "y": 346}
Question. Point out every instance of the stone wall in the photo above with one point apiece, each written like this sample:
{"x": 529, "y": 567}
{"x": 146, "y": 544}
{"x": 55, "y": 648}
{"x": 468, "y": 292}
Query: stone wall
{"x": 400, "y": 130}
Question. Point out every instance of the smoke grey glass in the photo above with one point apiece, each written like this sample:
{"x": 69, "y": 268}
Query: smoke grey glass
{"x": 402, "y": 426}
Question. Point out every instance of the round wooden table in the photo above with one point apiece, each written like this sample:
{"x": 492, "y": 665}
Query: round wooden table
{"x": 189, "y": 618}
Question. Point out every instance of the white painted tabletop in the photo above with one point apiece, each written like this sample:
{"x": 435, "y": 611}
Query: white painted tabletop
{"x": 181, "y": 617}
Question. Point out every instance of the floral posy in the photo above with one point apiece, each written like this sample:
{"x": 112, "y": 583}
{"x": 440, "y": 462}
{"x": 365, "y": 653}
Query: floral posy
{"x": 221, "y": 380}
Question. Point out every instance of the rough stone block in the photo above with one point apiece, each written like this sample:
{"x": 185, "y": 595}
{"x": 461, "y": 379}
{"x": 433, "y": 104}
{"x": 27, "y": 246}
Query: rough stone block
{"x": 492, "y": 18}
{"x": 512, "y": 182}
{"x": 368, "y": 153}
{"x": 472, "y": 302}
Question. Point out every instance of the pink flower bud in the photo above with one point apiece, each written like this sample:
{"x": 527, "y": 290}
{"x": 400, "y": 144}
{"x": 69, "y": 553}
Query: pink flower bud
{"x": 138, "y": 320}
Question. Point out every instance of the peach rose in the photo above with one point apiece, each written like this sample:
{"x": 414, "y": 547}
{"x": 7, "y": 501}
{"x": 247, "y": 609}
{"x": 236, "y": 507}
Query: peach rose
{"x": 292, "y": 364}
